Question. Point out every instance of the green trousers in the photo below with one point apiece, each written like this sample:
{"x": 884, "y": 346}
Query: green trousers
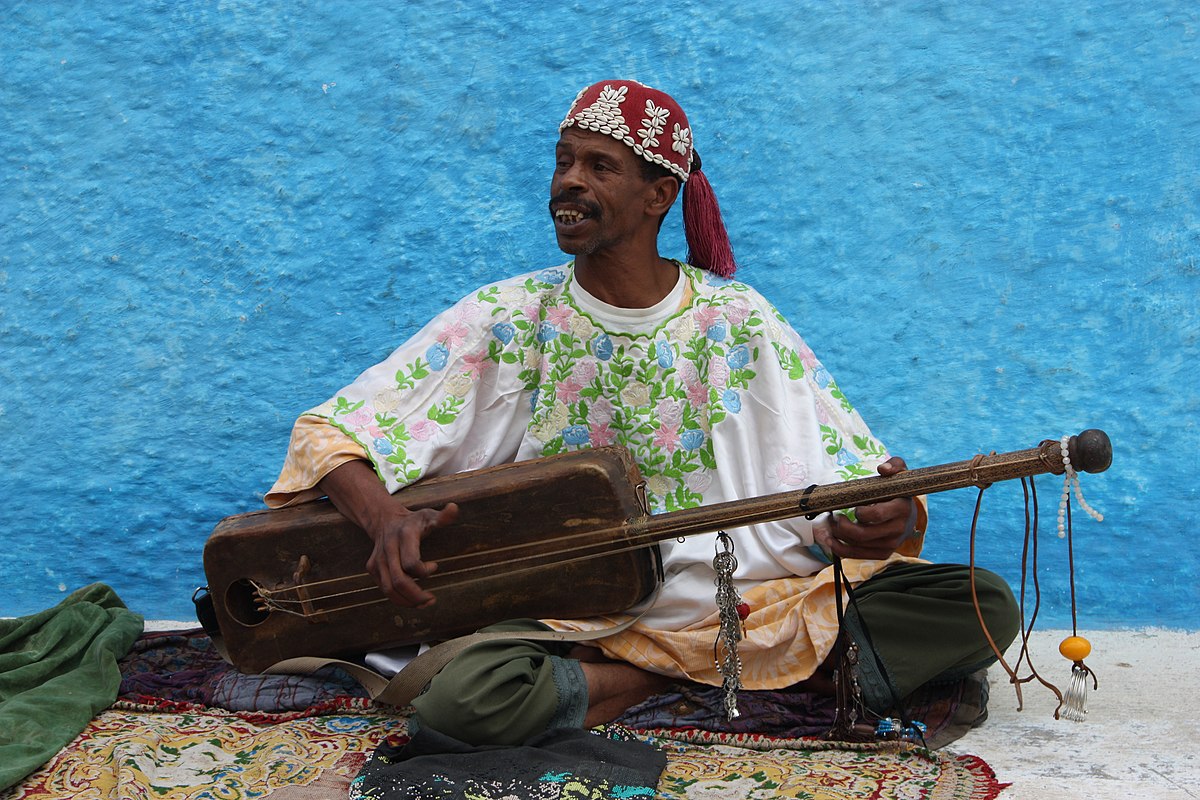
{"x": 919, "y": 618}
{"x": 921, "y": 622}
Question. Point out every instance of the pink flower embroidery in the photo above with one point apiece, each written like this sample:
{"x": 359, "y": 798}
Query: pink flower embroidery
{"x": 584, "y": 370}
{"x": 363, "y": 416}
{"x": 375, "y": 431}
{"x": 706, "y": 316}
{"x": 737, "y": 312}
{"x": 568, "y": 391}
{"x": 697, "y": 394}
{"x": 559, "y": 317}
{"x": 807, "y": 357}
{"x": 666, "y": 438}
{"x": 791, "y": 472}
{"x": 601, "y": 412}
{"x": 423, "y": 430}
{"x": 453, "y": 334}
{"x": 602, "y": 435}
{"x": 718, "y": 372}
{"x": 474, "y": 364}
{"x": 670, "y": 412}
{"x": 467, "y": 311}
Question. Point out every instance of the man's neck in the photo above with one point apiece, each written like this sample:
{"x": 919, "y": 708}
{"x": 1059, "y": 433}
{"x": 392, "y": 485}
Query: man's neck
{"x": 626, "y": 282}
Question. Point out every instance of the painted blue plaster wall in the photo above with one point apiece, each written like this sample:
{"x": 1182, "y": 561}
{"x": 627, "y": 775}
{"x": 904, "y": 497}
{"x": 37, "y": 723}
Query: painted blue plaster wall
{"x": 214, "y": 214}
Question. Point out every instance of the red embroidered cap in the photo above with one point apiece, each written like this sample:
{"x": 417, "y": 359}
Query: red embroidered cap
{"x": 654, "y": 125}
{"x": 649, "y": 121}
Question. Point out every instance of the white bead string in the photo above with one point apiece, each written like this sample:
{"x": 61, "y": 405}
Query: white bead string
{"x": 1071, "y": 478}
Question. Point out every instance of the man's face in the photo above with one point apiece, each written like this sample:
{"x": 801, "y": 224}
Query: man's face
{"x": 597, "y": 194}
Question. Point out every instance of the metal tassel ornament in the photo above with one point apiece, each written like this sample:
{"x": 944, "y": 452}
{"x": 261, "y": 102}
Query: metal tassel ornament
{"x": 731, "y": 612}
{"x": 1075, "y": 649}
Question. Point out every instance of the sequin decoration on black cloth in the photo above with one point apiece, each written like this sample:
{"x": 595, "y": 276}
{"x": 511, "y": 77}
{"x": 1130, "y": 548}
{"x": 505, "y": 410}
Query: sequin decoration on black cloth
{"x": 610, "y": 763}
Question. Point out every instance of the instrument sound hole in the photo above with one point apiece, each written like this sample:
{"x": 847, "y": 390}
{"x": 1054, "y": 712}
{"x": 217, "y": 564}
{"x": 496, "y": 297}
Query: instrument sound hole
{"x": 244, "y": 605}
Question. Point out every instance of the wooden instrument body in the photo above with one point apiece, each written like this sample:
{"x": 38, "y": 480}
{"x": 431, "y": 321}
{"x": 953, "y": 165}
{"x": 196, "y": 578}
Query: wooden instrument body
{"x": 559, "y": 537}
{"x": 312, "y": 546}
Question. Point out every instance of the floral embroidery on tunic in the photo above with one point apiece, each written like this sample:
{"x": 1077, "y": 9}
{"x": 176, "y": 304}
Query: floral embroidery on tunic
{"x": 660, "y": 395}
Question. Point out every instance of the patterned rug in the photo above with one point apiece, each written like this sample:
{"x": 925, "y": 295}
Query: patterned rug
{"x": 134, "y": 752}
{"x": 186, "y": 725}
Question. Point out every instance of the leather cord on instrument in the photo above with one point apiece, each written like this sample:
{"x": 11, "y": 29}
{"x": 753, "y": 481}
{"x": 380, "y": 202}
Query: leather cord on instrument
{"x": 1026, "y": 630}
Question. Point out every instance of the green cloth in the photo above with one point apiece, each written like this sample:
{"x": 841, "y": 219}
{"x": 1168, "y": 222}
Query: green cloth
{"x": 58, "y": 669}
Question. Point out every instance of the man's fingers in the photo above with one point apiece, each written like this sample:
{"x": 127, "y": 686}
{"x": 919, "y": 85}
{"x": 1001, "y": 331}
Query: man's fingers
{"x": 447, "y": 515}
{"x": 396, "y": 563}
{"x": 384, "y": 565}
{"x": 417, "y": 526}
{"x": 851, "y": 540}
{"x": 849, "y": 548}
{"x": 882, "y": 512}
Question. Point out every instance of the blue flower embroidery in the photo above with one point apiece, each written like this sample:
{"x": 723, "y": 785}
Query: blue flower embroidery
{"x": 546, "y": 332}
{"x": 845, "y": 458}
{"x": 738, "y": 357}
{"x": 665, "y": 353}
{"x": 731, "y": 400}
{"x": 712, "y": 279}
{"x": 575, "y": 434}
{"x": 692, "y": 439}
{"x": 603, "y": 347}
{"x": 552, "y": 275}
{"x": 822, "y": 377}
{"x": 383, "y": 447}
{"x": 533, "y": 398}
{"x": 718, "y": 331}
{"x": 504, "y": 331}
{"x": 438, "y": 356}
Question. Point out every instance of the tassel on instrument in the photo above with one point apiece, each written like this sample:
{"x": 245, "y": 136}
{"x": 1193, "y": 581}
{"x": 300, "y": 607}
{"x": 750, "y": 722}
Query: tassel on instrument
{"x": 732, "y": 612}
{"x": 1076, "y": 649}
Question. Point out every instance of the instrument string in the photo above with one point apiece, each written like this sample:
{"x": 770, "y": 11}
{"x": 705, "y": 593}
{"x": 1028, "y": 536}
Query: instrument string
{"x": 277, "y": 599}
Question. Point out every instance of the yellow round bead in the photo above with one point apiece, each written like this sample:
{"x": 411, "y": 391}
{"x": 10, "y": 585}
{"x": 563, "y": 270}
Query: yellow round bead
{"x": 1075, "y": 648}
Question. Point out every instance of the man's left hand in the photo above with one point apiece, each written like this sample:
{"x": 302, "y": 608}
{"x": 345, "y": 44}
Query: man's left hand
{"x": 880, "y": 527}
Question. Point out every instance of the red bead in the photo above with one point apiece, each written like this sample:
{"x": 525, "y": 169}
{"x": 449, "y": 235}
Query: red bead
{"x": 743, "y": 610}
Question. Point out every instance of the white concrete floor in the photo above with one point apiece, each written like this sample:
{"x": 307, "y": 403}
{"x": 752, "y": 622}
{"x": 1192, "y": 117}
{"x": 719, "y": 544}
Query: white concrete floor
{"x": 1141, "y": 735}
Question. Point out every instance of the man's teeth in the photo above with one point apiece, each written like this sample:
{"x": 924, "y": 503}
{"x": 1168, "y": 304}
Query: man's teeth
{"x": 569, "y": 217}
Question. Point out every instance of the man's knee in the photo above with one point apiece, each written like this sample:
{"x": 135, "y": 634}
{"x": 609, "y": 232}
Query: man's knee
{"x": 503, "y": 694}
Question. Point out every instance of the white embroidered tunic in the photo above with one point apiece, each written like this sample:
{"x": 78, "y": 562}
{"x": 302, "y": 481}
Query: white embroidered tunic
{"x": 715, "y": 396}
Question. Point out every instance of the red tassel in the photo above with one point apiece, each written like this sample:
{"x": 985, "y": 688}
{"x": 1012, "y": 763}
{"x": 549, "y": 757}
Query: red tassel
{"x": 708, "y": 242}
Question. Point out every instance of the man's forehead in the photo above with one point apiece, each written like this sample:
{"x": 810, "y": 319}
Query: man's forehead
{"x": 574, "y": 139}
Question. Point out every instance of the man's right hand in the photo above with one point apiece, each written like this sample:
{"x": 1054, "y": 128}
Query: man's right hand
{"x": 397, "y": 532}
{"x": 395, "y": 561}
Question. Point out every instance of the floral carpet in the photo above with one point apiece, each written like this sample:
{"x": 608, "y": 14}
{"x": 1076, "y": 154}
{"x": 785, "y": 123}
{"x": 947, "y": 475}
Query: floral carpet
{"x": 156, "y": 751}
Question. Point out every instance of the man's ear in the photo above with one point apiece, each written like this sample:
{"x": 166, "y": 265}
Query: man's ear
{"x": 661, "y": 197}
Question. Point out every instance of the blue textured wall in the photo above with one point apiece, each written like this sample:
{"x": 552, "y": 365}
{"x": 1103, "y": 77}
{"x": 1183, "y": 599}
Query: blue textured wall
{"x": 985, "y": 221}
